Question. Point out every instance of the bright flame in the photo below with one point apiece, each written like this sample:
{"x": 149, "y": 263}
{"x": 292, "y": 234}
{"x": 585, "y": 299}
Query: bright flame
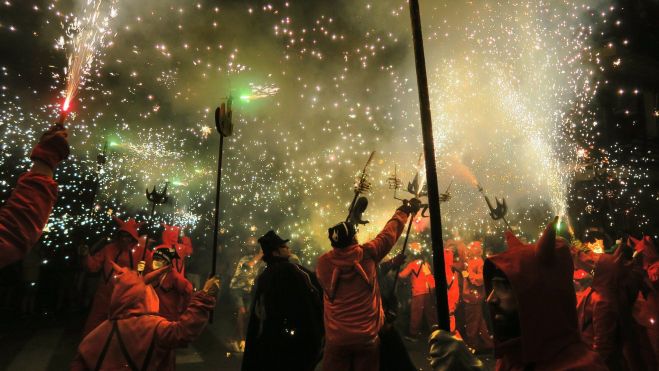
{"x": 66, "y": 105}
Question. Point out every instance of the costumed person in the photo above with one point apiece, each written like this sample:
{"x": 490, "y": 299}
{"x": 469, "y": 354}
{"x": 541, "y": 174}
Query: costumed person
{"x": 476, "y": 333}
{"x": 183, "y": 245}
{"x": 134, "y": 336}
{"x": 599, "y": 311}
{"x": 423, "y": 297}
{"x": 240, "y": 289}
{"x": 582, "y": 281}
{"x": 173, "y": 290}
{"x": 646, "y": 307}
{"x": 124, "y": 251}
{"x": 285, "y": 331}
{"x": 532, "y": 303}
{"x": 353, "y": 307}
{"x": 453, "y": 290}
{"x": 25, "y": 213}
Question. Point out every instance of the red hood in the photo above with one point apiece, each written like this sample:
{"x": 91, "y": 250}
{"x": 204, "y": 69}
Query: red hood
{"x": 130, "y": 226}
{"x": 346, "y": 265}
{"x": 647, "y": 249}
{"x": 132, "y": 295}
{"x": 170, "y": 234}
{"x": 541, "y": 276}
{"x": 609, "y": 271}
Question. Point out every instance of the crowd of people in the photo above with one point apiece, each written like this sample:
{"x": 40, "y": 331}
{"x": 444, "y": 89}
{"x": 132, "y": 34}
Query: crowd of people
{"x": 557, "y": 304}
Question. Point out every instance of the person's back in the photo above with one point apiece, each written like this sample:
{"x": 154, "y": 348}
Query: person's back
{"x": 352, "y": 303}
{"x": 135, "y": 336}
{"x": 286, "y": 322}
{"x": 533, "y": 307}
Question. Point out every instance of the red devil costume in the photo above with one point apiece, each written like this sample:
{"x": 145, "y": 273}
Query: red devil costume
{"x": 453, "y": 288}
{"x": 173, "y": 290}
{"x": 646, "y": 307}
{"x": 134, "y": 336}
{"x": 600, "y": 308}
{"x": 353, "y": 307}
{"x": 170, "y": 237}
{"x": 476, "y": 333}
{"x": 26, "y": 211}
{"x": 24, "y": 215}
{"x": 128, "y": 256}
{"x": 423, "y": 301}
{"x": 541, "y": 277}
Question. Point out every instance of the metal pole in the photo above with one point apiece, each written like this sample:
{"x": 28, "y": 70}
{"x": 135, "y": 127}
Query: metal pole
{"x": 218, "y": 185}
{"x": 431, "y": 170}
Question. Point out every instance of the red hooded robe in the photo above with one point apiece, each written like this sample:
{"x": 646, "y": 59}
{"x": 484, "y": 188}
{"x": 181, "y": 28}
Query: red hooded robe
{"x": 24, "y": 215}
{"x": 541, "y": 277}
{"x": 102, "y": 261}
{"x": 135, "y": 336}
{"x": 353, "y": 307}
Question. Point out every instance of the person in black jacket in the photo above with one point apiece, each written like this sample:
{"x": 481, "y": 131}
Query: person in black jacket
{"x": 285, "y": 330}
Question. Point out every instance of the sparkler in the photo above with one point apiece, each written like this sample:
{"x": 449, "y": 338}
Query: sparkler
{"x": 88, "y": 33}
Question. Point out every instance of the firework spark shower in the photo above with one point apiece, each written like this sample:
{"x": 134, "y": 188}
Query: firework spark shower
{"x": 317, "y": 87}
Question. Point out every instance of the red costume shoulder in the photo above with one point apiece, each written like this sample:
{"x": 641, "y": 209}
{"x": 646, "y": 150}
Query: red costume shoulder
{"x": 24, "y": 215}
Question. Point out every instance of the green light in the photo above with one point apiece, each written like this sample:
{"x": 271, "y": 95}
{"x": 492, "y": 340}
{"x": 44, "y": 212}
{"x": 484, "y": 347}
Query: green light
{"x": 113, "y": 144}
{"x": 177, "y": 183}
{"x": 245, "y": 98}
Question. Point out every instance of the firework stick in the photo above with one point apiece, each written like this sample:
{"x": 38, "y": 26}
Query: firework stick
{"x": 431, "y": 170}
{"x": 402, "y": 251}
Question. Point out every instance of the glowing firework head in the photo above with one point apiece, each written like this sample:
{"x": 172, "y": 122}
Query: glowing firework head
{"x": 87, "y": 34}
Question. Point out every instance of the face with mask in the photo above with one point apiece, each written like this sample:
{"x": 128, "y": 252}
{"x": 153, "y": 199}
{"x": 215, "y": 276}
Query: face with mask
{"x": 159, "y": 262}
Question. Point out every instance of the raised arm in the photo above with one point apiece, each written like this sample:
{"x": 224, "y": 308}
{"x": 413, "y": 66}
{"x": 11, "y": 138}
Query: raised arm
{"x": 24, "y": 215}
{"x": 380, "y": 246}
{"x": 193, "y": 321}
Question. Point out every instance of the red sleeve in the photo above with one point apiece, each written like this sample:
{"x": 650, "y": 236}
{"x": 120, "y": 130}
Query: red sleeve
{"x": 605, "y": 318}
{"x": 408, "y": 269}
{"x": 380, "y": 246}
{"x": 183, "y": 286}
{"x": 24, "y": 215}
{"x": 190, "y": 325}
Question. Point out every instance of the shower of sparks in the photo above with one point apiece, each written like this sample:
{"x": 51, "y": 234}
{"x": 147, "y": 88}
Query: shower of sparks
{"x": 317, "y": 89}
{"x": 85, "y": 35}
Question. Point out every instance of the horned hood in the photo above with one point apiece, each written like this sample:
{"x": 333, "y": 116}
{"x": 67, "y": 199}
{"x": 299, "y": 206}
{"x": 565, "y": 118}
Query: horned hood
{"x": 346, "y": 262}
{"x": 541, "y": 276}
{"x": 132, "y": 294}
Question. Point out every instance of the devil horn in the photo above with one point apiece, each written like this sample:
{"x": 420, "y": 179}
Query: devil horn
{"x": 512, "y": 240}
{"x": 152, "y": 276}
{"x": 547, "y": 242}
{"x": 118, "y": 221}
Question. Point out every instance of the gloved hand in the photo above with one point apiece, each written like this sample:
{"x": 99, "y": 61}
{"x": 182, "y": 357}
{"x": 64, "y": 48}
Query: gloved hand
{"x": 398, "y": 260}
{"x": 450, "y": 353}
{"x": 410, "y": 207}
{"x": 53, "y": 147}
{"x": 212, "y": 286}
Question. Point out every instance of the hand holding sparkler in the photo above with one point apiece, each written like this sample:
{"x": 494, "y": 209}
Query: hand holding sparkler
{"x": 53, "y": 147}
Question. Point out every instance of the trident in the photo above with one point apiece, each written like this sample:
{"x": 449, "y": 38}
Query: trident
{"x": 156, "y": 198}
{"x": 499, "y": 212}
{"x": 416, "y": 191}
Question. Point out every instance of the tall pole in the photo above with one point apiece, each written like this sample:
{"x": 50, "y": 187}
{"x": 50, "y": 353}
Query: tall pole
{"x": 218, "y": 186}
{"x": 224, "y": 126}
{"x": 431, "y": 170}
